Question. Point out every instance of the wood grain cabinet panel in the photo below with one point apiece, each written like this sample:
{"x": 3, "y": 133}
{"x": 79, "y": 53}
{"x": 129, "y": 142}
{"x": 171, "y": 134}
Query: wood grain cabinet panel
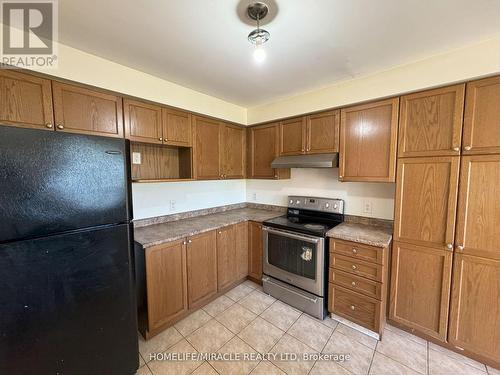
{"x": 420, "y": 288}
{"x": 142, "y": 121}
{"x": 241, "y": 243}
{"x": 25, "y": 100}
{"x": 431, "y": 122}
{"x": 255, "y": 250}
{"x": 322, "y": 132}
{"x": 201, "y": 268}
{"x": 226, "y": 257}
{"x": 293, "y": 136}
{"x": 478, "y": 220}
{"x": 482, "y": 117}
{"x": 207, "y": 148}
{"x": 166, "y": 280}
{"x": 233, "y": 151}
{"x": 84, "y": 111}
{"x": 426, "y": 199}
{"x": 475, "y": 306}
{"x": 176, "y": 128}
{"x": 368, "y": 138}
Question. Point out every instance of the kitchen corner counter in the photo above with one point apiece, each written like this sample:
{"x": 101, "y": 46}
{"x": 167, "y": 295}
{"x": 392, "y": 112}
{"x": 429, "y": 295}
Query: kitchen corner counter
{"x": 157, "y": 234}
{"x": 373, "y": 235}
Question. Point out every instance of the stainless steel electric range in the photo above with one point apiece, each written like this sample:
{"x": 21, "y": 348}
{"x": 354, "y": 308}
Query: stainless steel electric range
{"x": 296, "y": 253}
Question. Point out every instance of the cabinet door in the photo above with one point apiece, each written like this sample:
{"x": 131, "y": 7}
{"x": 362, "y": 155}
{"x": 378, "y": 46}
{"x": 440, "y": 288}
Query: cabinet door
{"x": 482, "y": 117}
{"x": 426, "y": 200}
{"x": 420, "y": 288}
{"x": 475, "y": 306}
{"x": 478, "y": 220}
{"x": 166, "y": 283}
{"x": 201, "y": 268}
{"x": 226, "y": 257}
{"x": 293, "y": 136}
{"x": 323, "y": 133}
{"x": 142, "y": 121}
{"x": 80, "y": 110}
{"x": 255, "y": 250}
{"x": 368, "y": 137}
{"x": 207, "y": 149}
{"x": 431, "y": 122}
{"x": 176, "y": 127}
{"x": 233, "y": 151}
{"x": 25, "y": 100}
{"x": 241, "y": 235}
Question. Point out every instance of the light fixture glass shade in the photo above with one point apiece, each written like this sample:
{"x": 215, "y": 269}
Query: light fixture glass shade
{"x": 258, "y": 36}
{"x": 259, "y": 54}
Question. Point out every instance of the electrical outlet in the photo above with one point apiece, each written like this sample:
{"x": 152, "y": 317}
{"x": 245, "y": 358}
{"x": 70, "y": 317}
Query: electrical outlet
{"x": 172, "y": 205}
{"x": 136, "y": 158}
{"x": 254, "y": 197}
{"x": 367, "y": 207}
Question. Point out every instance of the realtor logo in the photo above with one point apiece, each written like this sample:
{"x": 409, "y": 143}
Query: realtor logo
{"x": 29, "y": 31}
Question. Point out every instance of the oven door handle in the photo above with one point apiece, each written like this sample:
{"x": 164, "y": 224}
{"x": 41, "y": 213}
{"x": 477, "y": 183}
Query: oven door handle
{"x": 268, "y": 280}
{"x": 291, "y": 235}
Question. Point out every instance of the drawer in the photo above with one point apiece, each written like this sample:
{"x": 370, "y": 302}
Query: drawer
{"x": 358, "y": 251}
{"x": 355, "y": 307}
{"x": 357, "y": 267}
{"x": 361, "y": 285}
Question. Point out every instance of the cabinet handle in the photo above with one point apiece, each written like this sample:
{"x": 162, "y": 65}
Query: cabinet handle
{"x": 354, "y": 250}
{"x": 456, "y": 148}
{"x": 275, "y": 176}
{"x": 220, "y": 232}
{"x": 49, "y": 125}
{"x": 449, "y": 246}
{"x": 467, "y": 148}
{"x": 353, "y": 307}
{"x": 341, "y": 176}
{"x": 354, "y": 267}
{"x": 353, "y": 283}
{"x": 184, "y": 242}
{"x": 60, "y": 126}
{"x": 460, "y": 247}
{"x": 190, "y": 241}
{"x": 160, "y": 139}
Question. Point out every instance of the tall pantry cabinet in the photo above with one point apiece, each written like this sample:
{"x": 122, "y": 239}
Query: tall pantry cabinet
{"x": 446, "y": 254}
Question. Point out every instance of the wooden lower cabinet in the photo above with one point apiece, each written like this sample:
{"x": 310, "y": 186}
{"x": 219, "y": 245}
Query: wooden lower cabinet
{"x": 475, "y": 306}
{"x": 420, "y": 288}
{"x": 255, "y": 249}
{"x": 201, "y": 268}
{"x": 226, "y": 257}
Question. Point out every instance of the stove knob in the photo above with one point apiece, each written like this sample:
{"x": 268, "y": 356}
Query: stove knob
{"x": 291, "y": 201}
{"x": 327, "y": 205}
{"x": 298, "y": 201}
{"x": 335, "y": 206}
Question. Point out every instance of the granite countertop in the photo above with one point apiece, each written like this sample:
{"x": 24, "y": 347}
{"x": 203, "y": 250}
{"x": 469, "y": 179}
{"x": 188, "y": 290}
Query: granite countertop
{"x": 157, "y": 234}
{"x": 373, "y": 235}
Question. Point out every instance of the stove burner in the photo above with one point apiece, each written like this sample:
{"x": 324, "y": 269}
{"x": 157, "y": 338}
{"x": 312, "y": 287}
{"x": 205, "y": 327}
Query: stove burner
{"x": 315, "y": 226}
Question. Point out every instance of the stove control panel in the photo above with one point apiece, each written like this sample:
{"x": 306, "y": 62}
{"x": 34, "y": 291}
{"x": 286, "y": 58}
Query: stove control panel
{"x": 316, "y": 204}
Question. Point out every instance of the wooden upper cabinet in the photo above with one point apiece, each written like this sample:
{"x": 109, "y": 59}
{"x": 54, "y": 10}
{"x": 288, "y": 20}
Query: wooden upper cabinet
{"x": 475, "y": 306}
{"x": 241, "y": 244}
{"x": 233, "y": 139}
{"x": 176, "y": 127}
{"x": 201, "y": 268}
{"x": 431, "y": 122}
{"x": 420, "y": 288}
{"x": 255, "y": 251}
{"x": 207, "y": 148}
{"x": 226, "y": 257}
{"x": 25, "y": 100}
{"x": 293, "y": 136}
{"x": 85, "y": 111}
{"x": 482, "y": 117}
{"x": 166, "y": 281}
{"x": 368, "y": 138}
{"x": 478, "y": 219}
{"x": 142, "y": 121}
{"x": 322, "y": 133}
{"x": 426, "y": 199}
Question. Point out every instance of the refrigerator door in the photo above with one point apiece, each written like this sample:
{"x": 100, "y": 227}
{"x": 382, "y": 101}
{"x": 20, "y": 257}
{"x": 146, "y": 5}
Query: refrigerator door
{"x": 67, "y": 305}
{"x": 54, "y": 182}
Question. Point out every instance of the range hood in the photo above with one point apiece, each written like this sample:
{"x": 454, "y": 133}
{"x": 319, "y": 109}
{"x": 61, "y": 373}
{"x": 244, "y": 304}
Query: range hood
{"x": 307, "y": 161}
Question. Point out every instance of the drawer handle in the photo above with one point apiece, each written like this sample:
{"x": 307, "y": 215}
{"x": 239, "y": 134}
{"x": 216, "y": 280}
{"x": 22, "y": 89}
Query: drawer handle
{"x": 354, "y": 267}
{"x": 354, "y": 251}
{"x": 353, "y": 283}
{"x": 353, "y": 307}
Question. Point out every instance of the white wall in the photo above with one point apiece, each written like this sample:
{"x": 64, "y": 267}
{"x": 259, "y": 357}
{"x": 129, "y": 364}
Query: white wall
{"x": 324, "y": 183}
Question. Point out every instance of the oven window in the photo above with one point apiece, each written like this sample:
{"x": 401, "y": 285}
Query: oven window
{"x": 292, "y": 255}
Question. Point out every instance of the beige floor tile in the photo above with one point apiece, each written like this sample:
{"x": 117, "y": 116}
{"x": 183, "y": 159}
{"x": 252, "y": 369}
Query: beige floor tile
{"x": 236, "y": 318}
{"x": 261, "y": 335}
{"x": 180, "y": 367}
{"x": 328, "y": 368}
{"x": 158, "y": 343}
{"x": 210, "y": 337}
{"x": 287, "y": 345}
{"x": 251, "y": 284}
{"x": 327, "y": 321}
{"x": 493, "y": 371}
{"x": 205, "y": 369}
{"x": 144, "y": 370}
{"x": 218, "y": 305}
{"x": 242, "y": 367}
{"x": 383, "y": 365}
{"x": 192, "y": 322}
{"x": 239, "y": 292}
{"x": 357, "y": 335}
{"x": 281, "y": 315}
{"x": 404, "y": 350}
{"x": 400, "y": 332}
{"x": 310, "y": 332}
{"x": 257, "y": 301}
{"x": 442, "y": 364}
{"x": 267, "y": 368}
{"x": 141, "y": 360}
{"x": 360, "y": 355}
{"x": 457, "y": 356}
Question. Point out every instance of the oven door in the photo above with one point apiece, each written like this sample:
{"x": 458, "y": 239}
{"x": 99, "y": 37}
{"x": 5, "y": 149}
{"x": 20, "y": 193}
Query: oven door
{"x": 295, "y": 258}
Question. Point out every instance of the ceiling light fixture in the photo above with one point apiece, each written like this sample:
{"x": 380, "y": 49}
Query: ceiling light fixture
{"x": 257, "y": 11}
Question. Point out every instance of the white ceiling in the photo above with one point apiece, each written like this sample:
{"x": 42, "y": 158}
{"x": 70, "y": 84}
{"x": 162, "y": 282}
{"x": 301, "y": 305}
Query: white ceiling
{"x": 202, "y": 44}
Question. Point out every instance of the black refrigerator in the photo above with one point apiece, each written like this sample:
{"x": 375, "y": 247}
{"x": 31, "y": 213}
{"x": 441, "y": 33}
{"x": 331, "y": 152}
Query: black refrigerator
{"x": 67, "y": 303}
